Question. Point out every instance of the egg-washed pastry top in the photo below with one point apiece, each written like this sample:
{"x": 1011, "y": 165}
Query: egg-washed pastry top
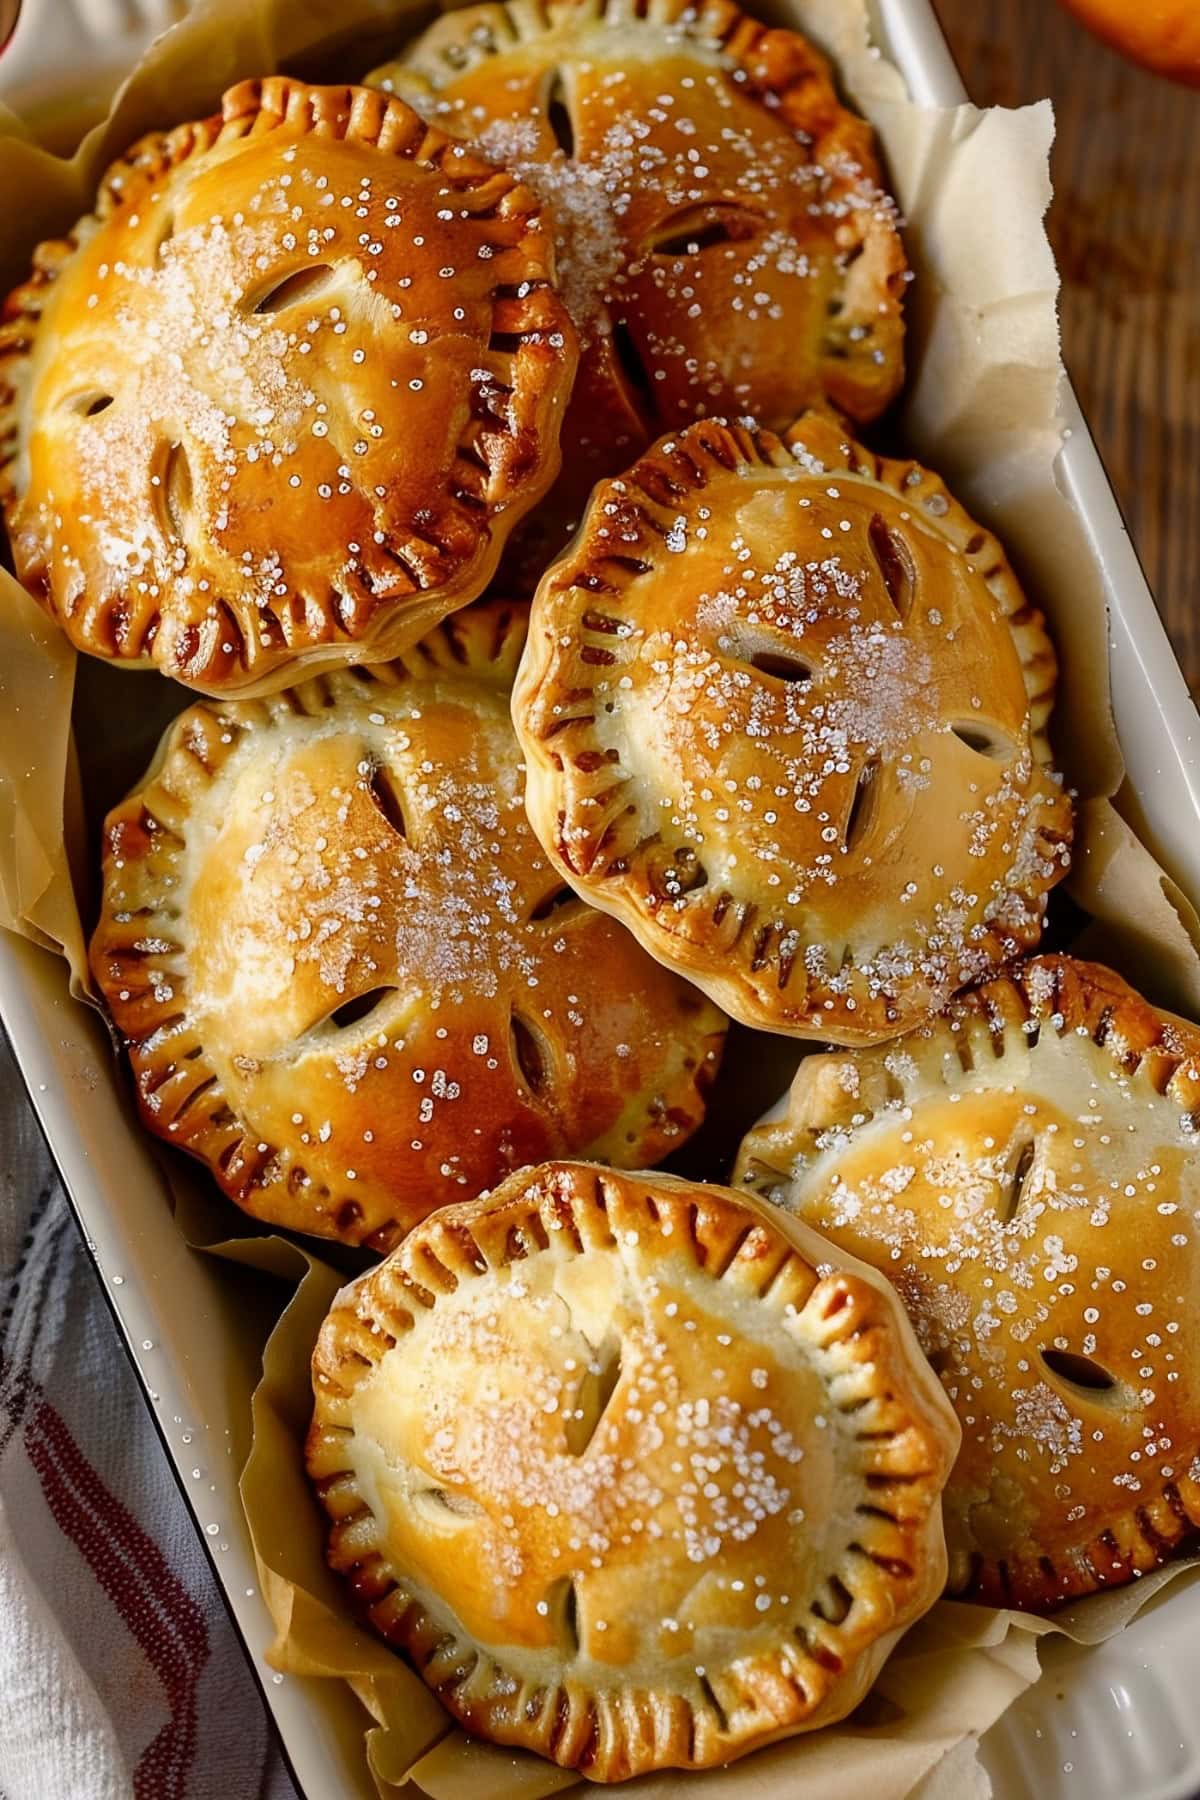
{"x": 1026, "y": 1171}
{"x": 347, "y": 978}
{"x": 277, "y": 402}
{"x": 724, "y": 245}
{"x": 633, "y": 1481}
{"x": 784, "y": 709}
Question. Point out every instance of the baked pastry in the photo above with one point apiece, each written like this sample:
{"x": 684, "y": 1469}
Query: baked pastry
{"x": 1025, "y": 1171}
{"x": 633, "y": 1482}
{"x": 724, "y": 244}
{"x": 348, "y": 980}
{"x": 277, "y": 402}
{"x": 784, "y": 710}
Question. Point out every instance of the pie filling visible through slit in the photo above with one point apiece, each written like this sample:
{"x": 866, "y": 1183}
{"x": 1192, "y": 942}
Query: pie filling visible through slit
{"x": 723, "y": 242}
{"x": 1025, "y": 1171}
{"x": 784, "y": 709}
{"x": 347, "y": 978}
{"x": 633, "y": 1483}
{"x": 278, "y": 402}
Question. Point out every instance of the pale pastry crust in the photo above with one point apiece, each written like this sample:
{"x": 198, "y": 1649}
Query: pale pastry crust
{"x": 649, "y": 130}
{"x": 634, "y": 1482}
{"x": 278, "y": 401}
{"x": 348, "y": 980}
{"x": 784, "y": 709}
{"x": 1026, "y": 1172}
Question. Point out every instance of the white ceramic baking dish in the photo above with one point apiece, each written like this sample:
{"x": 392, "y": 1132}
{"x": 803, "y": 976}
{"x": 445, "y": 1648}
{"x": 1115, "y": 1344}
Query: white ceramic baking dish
{"x": 1108, "y": 1723}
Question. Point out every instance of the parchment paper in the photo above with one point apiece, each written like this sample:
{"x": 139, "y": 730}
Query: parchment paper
{"x": 982, "y": 408}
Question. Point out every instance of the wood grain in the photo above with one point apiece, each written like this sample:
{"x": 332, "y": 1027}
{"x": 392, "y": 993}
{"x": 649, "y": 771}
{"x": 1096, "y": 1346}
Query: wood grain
{"x": 1125, "y": 225}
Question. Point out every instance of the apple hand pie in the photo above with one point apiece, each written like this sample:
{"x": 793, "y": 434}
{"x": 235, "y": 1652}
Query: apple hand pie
{"x": 276, "y": 404}
{"x": 636, "y": 1480}
{"x": 724, "y": 245}
{"x": 784, "y": 711}
{"x": 347, "y": 978}
{"x": 1025, "y": 1170}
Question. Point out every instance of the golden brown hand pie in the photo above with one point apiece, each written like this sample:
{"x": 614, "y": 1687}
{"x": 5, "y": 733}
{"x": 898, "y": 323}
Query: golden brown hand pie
{"x": 280, "y": 399}
{"x": 723, "y": 242}
{"x": 633, "y": 1481}
{"x": 1026, "y": 1172}
{"x": 347, "y": 978}
{"x": 784, "y": 710}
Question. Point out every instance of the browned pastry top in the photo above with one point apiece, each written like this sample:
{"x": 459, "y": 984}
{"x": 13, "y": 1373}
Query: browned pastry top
{"x": 724, "y": 245}
{"x": 784, "y": 708}
{"x": 634, "y": 1482}
{"x": 279, "y": 400}
{"x": 1026, "y": 1171}
{"x": 348, "y": 979}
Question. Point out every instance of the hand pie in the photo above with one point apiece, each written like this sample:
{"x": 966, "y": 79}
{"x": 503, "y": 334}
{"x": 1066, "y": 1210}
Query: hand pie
{"x": 631, "y": 1481}
{"x": 1025, "y": 1170}
{"x": 784, "y": 711}
{"x": 723, "y": 242}
{"x": 280, "y": 399}
{"x": 348, "y": 980}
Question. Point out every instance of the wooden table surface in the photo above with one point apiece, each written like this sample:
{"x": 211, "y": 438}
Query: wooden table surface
{"x": 1125, "y": 225}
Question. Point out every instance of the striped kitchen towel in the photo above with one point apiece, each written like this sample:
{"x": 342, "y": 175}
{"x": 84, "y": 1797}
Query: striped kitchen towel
{"x": 120, "y": 1673}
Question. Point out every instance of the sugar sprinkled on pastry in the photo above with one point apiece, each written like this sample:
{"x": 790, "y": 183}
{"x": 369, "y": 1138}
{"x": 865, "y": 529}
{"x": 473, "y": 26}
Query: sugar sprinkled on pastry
{"x": 784, "y": 709}
{"x": 279, "y": 400}
{"x": 1026, "y": 1171}
{"x": 724, "y": 244}
{"x": 637, "y": 1480}
{"x": 348, "y": 979}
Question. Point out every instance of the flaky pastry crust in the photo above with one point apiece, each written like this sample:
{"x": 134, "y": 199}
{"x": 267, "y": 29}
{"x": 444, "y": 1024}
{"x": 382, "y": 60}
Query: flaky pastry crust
{"x": 784, "y": 710}
{"x": 347, "y": 979}
{"x": 278, "y": 401}
{"x": 634, "y": 1483}
{"x": 1025, "y": 1171}
{"x": 724, "y": 243}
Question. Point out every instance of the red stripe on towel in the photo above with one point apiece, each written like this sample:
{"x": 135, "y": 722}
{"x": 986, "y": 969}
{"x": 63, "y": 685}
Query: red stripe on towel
{"x": 157, "y": 1610}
